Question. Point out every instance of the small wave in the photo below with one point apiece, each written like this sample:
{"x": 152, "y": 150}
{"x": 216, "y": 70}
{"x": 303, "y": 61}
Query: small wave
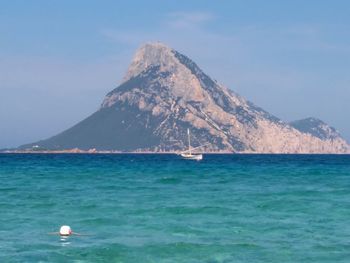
{"x": 8, "y": 189}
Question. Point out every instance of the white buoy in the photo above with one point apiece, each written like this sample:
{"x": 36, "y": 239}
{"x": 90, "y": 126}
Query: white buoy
{"x": 65, "y": 231}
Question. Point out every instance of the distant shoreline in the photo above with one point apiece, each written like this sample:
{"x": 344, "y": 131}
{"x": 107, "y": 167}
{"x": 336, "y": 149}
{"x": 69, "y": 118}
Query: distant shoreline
{"x": 74, "y": 151}
{"x": 100, "y": 152}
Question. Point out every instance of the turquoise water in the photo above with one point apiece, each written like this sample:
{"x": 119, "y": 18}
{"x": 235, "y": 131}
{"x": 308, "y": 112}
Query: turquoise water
{"x": 159, "y": 208}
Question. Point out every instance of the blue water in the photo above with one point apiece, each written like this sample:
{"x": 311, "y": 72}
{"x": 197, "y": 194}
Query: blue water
{"x": 159, "y": 208}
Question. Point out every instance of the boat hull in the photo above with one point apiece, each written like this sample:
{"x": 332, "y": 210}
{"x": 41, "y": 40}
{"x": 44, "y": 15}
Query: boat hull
{"x": 188, "y": 156}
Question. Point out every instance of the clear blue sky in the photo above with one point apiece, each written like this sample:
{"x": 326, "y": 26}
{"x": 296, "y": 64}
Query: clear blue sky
{"x": 59, "y": 58}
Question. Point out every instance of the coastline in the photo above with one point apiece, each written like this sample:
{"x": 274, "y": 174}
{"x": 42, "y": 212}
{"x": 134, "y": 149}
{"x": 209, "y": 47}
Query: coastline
{"x": 98, "y": 152}
{"x": 94, "y": 151}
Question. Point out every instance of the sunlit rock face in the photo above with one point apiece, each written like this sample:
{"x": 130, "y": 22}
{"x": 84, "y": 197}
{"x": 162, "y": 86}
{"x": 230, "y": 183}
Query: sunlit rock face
{"x": 164, "y": 93}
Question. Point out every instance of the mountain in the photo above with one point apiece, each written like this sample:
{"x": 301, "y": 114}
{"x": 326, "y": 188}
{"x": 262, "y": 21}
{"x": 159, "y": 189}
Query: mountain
{"x": 316, "y": 128}
{"x": 164, "y": 92}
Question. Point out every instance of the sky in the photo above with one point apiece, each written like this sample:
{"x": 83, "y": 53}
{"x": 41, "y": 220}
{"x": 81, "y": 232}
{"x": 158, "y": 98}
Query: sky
{"x": 58, "y": 59}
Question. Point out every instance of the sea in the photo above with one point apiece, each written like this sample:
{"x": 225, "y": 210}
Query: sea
{"x": 161, "y": 208}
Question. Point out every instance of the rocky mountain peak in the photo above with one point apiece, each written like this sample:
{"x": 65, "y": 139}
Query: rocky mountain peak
{"x": 160, "y": 69}
{"x": 164, "y": 93}
{"x": 151, "y": 54}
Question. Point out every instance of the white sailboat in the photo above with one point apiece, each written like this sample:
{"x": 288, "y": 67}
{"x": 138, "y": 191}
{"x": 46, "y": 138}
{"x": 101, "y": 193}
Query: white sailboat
{"x": 188, "y": 154}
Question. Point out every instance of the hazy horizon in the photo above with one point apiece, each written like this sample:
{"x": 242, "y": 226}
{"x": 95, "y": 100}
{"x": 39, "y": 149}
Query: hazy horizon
{"x": 58, "y": 60}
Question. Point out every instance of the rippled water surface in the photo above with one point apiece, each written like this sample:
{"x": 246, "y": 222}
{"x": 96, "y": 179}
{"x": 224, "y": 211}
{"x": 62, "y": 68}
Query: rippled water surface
{"x": 159, "y": 208}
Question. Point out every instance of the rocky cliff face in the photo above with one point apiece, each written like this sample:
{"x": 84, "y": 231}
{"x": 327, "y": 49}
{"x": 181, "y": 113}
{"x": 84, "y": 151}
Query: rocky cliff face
{"x": 163, "y": 93}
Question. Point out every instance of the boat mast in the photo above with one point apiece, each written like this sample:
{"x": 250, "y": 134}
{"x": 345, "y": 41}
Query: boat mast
{"x": 189, "y": 141}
